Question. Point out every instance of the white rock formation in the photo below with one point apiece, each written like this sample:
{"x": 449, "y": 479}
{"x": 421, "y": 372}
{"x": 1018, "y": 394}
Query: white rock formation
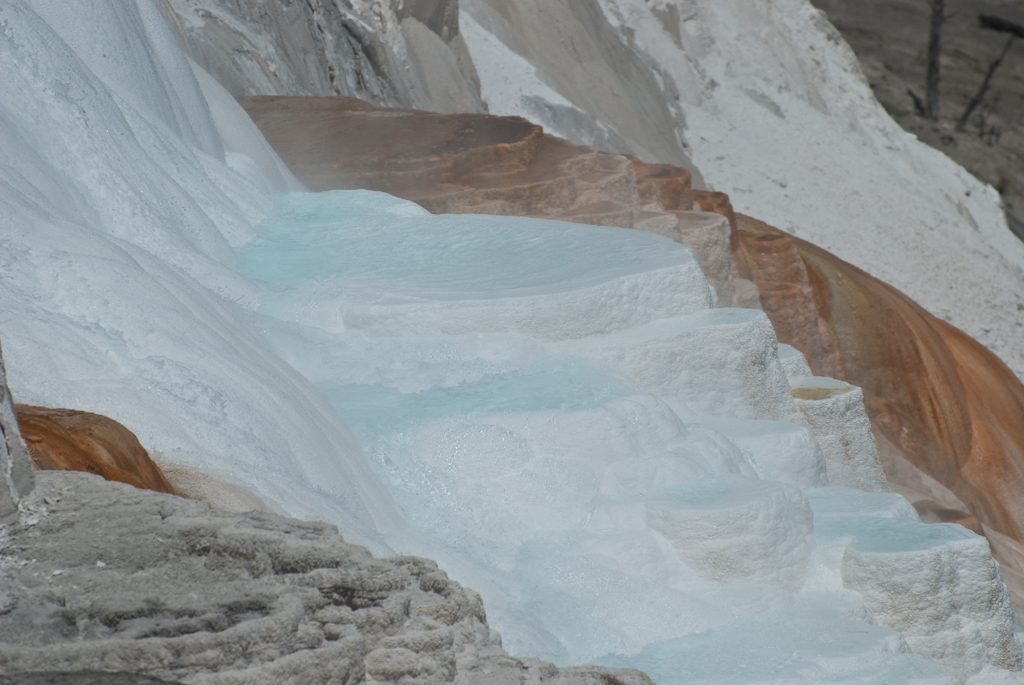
{"x": 879, "y": 564}
{"x": 546, "y": 477}
{"x": 793, "y": 361}
{"x": 717, "y": 361}
{"x": 966, "y": 570}
{"x": 835, "y": 413}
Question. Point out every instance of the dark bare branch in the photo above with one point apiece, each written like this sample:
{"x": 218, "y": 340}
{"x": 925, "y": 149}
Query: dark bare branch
{"x": 999, "y": 24}
{"x": 918, "y": 102}
{"x": 980, "y": 95}
{"x": 934, "y": 54}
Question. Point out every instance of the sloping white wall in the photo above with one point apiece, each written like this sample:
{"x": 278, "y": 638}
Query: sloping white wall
{"x": 116, "y": 251}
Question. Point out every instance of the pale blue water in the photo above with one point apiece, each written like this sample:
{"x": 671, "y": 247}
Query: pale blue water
{"x": 712, "y": 492}
{"x": 867, "y": 516}
{"x": 803, "y": 646}
{"x": 564, "y": 383}
{"x": 373, "y": 237}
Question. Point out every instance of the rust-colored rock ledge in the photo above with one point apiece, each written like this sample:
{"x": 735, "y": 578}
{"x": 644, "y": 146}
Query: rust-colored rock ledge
{"x": 71, "y": 440}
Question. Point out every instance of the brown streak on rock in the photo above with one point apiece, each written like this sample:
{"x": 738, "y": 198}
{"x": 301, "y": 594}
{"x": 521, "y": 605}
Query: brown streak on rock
{"x": 665, "y": 185}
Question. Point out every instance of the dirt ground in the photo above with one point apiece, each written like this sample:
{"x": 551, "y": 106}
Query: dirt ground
{"x": 890, "y": 38}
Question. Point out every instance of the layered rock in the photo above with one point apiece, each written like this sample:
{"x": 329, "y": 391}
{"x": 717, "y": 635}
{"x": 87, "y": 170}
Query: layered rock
{"x": 471, "y": 163}
{"x": 16, "y": 479}
{"x": 104, "y": 580}
{"x": 71, "y": 440}
{"x": 480, "y": 351}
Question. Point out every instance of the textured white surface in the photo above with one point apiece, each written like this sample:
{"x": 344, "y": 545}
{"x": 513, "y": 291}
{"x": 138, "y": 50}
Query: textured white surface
{"x": 779, "y": 450}
{"x": 840, "y": 423}
{"x": 718, "y": 361}
{"x": 366, "y": 261}
{"x": 740, "y": 531}
{"x": 913, "y": 590}
{"x": 909, "y": 574}
{"x": 793, "y": 361}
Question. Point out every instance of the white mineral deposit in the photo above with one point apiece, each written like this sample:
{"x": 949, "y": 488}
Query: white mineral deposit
{"x": 556, "y": 413}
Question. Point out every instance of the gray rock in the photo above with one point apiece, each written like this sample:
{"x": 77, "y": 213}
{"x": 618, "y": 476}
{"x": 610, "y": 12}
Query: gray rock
{"x": 107, "y": 578}
{"x": 16, "y": 478}
{"x": 406, "y": 53}
{"x": 82, "y": 678}
{"x": 623, "y": 100}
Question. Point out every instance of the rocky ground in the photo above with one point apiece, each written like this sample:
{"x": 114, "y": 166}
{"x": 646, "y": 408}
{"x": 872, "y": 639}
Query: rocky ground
{"x": 101, "y": 581}
{"x": 890, "y": 38}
